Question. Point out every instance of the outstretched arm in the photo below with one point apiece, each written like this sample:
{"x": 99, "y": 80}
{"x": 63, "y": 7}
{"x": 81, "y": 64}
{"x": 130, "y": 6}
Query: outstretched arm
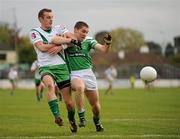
{"x": 60, "y": 40}
{"x": 66, "y": 39}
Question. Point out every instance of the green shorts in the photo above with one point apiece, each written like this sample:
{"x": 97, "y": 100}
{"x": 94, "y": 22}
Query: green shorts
{"x": 13, "y": 81}
{"x": 37, "y": 82}
{"x": 60, "y": 74}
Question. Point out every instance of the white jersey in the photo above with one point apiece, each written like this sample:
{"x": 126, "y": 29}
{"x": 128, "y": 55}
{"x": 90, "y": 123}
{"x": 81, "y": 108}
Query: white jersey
{"x": 111, "y": 73}
{"x": 13, "y": 74}
{"x": 38, "y": 34}
{"x": 34, "y": 67}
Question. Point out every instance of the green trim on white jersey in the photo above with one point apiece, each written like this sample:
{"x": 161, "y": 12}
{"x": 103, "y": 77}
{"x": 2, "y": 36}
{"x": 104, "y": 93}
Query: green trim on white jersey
{"x": 45, "y": 59}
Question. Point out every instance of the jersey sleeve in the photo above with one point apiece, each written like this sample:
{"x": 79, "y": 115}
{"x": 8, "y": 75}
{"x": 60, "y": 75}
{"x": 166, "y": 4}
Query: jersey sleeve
{"x": 61, "y": 29}
{"x": 92, "y": 42}
{"x": 35, "y": 36}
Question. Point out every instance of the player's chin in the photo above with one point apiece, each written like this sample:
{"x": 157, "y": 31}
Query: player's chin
{"x": 50, "y": 25}
{"x": 81, "y": 39}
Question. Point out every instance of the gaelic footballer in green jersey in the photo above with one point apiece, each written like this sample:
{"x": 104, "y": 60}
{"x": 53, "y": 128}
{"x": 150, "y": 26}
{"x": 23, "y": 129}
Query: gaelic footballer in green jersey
{"x": 82, "y": 76}
{"x": 53, "y": 68}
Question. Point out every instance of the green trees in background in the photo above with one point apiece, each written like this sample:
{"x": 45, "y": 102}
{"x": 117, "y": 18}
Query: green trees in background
{"x": 171, "y": 54}
{"x": 7, "y": 36}
{"x": 24, "y": 48}
{"x": 154, "y": 48}
{"x": 169, "y": 51}
{"x": 25, "y": 51}
{"x": 126, "y": 39}
{"x": 123, "y": 39}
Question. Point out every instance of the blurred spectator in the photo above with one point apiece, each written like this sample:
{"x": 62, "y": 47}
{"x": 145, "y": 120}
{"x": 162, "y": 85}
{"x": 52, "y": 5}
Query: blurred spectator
{"x": 132, "y": 80}
{"x": 13, "y": 77}
{"x": 110, "y": 75}
{"x": 149, "y": 85}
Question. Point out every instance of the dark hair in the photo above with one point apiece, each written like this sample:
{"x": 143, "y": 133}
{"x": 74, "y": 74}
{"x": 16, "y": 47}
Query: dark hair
{"x": 42, "y": 11}
{"x": 81, "y": 24}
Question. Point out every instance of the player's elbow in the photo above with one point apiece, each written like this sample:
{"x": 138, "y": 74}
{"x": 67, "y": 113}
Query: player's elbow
{"x": 43, "y": 50}
{"x": 40, "y": 46}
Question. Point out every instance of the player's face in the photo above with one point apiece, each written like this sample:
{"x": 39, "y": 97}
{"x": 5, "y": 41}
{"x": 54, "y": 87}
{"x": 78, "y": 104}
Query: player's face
{"x": 47, "y": 20}
{"x": 81, "y": 33}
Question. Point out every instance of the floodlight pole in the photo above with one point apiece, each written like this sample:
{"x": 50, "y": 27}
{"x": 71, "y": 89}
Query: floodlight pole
{"x": 15, "y": 31}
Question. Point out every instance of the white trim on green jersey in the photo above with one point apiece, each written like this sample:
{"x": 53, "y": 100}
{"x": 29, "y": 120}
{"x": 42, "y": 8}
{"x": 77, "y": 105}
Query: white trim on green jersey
{"x": 38, "y": 34}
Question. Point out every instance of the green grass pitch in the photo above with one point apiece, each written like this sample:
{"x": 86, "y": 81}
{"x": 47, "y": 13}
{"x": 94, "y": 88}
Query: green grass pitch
{"x": 128, "y": 114}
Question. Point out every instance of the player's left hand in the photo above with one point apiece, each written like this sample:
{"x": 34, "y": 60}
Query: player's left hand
{"x": 76, "y": 42}
{"x": 108, "y": 39}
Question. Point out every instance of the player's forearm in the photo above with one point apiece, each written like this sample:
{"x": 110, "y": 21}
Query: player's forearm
{"x": 44, "y": 47}
{"x": 103, "y": 48}
{"x": 60, "y": 40}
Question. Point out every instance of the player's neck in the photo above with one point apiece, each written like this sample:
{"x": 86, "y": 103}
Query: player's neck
{"x": 46, "y": 29}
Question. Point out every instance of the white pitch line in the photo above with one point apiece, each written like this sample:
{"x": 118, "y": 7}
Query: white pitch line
{"x": 136, "y": 119}
{"x": 95, "y": 136}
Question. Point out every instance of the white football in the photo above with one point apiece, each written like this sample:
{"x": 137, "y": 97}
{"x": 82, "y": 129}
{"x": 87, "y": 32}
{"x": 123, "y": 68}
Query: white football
{"x": 148, "y": 74}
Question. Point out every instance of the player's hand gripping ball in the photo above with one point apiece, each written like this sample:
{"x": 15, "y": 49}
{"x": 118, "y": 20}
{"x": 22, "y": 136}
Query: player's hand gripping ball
{"x": 148, "y": 74}
{"x": 108, "y": 39}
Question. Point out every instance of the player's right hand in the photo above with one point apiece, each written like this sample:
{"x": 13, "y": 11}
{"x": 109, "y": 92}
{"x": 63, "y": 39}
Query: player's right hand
{"x": 55, "y": 50}
{"x": 108, "y": 39}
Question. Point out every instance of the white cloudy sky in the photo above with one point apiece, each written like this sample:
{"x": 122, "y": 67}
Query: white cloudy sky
{"x": 158, "y": 20}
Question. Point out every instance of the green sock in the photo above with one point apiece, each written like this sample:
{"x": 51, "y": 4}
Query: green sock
{"x": 81, "y": 114}
{"x": 96, "y": 120}
{"x": 71, "y": 115}
{"x": 53, "y": 104}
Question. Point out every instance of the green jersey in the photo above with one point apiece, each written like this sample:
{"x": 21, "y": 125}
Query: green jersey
{"x": 80, "y": 58}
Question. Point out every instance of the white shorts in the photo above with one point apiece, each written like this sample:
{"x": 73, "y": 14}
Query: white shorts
{"x": 87, "y": 76}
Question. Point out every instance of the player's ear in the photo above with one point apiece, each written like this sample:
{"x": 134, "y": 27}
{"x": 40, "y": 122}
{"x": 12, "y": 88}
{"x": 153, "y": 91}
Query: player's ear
{"x": 75, "y": 30}
{"x": 40, "y": 19}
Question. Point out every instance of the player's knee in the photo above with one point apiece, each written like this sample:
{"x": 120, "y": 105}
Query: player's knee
{"x": 79, "y": 88}
{"x": 50, "y": 87}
